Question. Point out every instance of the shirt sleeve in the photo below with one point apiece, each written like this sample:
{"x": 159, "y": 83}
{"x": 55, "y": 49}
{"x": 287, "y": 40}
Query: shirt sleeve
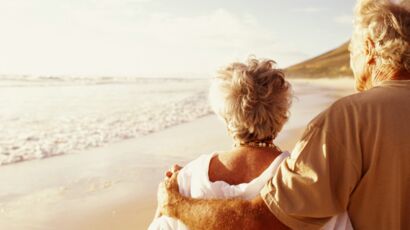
{"x": 315, "y": 182}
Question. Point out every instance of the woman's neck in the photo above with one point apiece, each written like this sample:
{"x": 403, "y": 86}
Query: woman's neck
{"x": 250, "y": 153}
{"x": 256, "y": 149}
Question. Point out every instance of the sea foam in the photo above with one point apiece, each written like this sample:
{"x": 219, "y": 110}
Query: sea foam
{"x": 42, "y": 117}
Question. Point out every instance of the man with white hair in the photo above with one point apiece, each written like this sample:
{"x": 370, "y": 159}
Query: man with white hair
{"x": 354, "y": 156}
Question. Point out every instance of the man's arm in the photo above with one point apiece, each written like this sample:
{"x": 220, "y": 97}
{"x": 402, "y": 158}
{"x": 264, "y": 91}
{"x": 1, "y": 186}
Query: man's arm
{"x": 215, "y": 213}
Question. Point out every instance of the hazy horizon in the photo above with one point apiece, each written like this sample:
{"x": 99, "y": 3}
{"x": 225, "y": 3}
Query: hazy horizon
{"x": 153, "y": 38}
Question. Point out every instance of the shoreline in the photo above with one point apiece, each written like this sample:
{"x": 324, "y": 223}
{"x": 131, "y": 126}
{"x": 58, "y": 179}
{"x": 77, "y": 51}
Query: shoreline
{"x": 108, "y": 187}
{"x": 102, "y": 182}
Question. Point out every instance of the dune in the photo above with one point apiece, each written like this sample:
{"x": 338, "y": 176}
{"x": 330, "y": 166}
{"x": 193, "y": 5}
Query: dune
{"x": 332, "y": 64}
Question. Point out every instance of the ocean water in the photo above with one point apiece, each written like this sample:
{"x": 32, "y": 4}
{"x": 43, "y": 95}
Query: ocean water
{"x": 42, "y": 117}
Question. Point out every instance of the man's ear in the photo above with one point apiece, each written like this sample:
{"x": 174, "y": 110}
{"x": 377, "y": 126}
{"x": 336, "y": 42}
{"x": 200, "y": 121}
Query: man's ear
{"x": 370, "y": 51}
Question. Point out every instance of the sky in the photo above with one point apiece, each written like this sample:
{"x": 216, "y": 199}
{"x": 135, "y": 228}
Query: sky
{"x": 160, "y": 38}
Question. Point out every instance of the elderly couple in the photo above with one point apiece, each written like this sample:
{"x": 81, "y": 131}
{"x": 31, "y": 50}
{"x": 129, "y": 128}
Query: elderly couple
{"x": 351, "y": 168}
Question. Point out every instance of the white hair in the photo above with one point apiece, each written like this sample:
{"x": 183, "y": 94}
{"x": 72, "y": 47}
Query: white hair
{"x": 386, "y": 23}
{"x": 253, "y": 99}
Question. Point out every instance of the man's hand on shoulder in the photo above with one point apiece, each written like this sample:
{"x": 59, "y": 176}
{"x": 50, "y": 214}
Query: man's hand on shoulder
{"x": 168, "y": 192}
{"x": 174, "y": 169}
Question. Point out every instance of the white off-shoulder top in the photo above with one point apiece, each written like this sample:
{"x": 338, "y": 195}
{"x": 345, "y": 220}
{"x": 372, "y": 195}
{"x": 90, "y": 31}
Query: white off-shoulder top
{"x": 193, "y": 181}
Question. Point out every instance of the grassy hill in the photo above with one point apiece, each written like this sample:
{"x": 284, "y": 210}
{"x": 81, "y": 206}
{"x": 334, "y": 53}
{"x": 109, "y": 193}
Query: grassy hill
{"x": 335, "y": 63}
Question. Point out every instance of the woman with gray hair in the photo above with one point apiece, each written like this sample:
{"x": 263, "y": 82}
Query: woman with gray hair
{"x": 354, "y": 157}
{"x": 253, "y": 100}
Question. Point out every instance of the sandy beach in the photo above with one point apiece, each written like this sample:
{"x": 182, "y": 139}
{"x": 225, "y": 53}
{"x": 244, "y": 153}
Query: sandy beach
{"x": 114, "y": 186}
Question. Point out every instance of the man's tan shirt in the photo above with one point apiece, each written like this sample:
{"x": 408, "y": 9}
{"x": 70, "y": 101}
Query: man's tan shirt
{"x": 353, "y": 157}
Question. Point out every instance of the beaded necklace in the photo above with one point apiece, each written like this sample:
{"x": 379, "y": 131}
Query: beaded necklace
{"x": 260, "y": 144}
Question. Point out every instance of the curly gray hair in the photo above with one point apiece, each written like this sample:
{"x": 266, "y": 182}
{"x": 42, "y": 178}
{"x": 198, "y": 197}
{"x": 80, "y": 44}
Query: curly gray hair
{"x": 253, "y": 99}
